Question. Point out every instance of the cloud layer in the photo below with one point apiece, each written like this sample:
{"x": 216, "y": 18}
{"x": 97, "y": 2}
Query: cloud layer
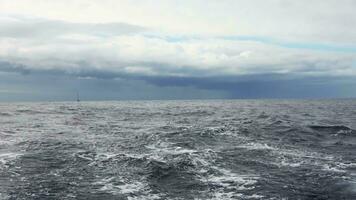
{"x": 198, "y": 43}
{"x": 76, "y": 48}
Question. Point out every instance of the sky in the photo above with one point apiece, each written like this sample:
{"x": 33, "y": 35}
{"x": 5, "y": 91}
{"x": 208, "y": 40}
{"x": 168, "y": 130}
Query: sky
{"x": 176, "y": 49}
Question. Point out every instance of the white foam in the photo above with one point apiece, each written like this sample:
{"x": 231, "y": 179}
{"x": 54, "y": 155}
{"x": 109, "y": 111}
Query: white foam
{"x": 134, "y": 190}
{"x": 225, "y": 195}
{"x": 296, "y": 158}
{"x": 221, "y": 195}
{"x": 224, "y": 178}
{"x": 146, "y": 196}
{"x": 344, "y": 132}
{"x": 166, "y": 148}
{"x": 327, "y": 167}
{"x": 128, "y": 188}
{"x": 254, "y": 196}
{"x": 221, "y": 131}
{"x": 256, "y": 146}
{"x": 229, "y": 179}
{"x": 7, "y": 157}
{"x": 4, "y": 196}
{"x": 346, "y": 165}
{"x": 289, "y": 162}
{"x": 160, "y": 151}
{"x": 105, "y": 156}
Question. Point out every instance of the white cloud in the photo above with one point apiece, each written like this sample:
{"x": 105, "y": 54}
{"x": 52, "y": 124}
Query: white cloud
{"x": 152, "y": 56}
{"x": 127, "y": 36}
{"x": 329, "y": 21}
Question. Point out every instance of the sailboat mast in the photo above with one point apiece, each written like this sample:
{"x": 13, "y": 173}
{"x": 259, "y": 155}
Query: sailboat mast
{"x": 78, "y": 100}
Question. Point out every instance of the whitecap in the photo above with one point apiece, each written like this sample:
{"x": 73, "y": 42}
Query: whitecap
{"x": 162, "y": 149}
{"x": 256, "y": 146}
{"x": 132, "y": 189}
{"x": 328, "y": 167}
{"x": 7, "y": 157}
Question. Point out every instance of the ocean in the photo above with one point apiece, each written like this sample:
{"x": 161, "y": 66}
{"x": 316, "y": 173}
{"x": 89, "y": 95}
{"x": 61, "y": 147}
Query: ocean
{"x": 211, "y": 149}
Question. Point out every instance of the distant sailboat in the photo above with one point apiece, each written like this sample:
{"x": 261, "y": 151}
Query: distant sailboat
{"x": 78, "y": 100}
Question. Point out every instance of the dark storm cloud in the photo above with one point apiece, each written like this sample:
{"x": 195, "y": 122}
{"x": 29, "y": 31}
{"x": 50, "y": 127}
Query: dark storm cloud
{"x": 11, "y": 67}
{"x": 104, "y": 85}
{"x": 47, "y": 87}
{"x": 267, "y": 85}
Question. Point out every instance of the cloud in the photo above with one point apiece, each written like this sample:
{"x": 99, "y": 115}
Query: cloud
{"x": 210, "y": 45}
{"x": 48, "y": 87}
{"x": 184, "y": 40}
{"x": 29, "y": 27}
{"x": 138, "y": 54}
{"x": 325, "y": 21}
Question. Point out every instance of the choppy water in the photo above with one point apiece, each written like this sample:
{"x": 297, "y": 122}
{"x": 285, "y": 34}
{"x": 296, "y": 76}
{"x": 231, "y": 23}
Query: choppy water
{"x": 179, "y": 150}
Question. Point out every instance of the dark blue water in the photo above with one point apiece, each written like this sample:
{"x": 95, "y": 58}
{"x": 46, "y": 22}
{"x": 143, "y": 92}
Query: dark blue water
{"x": 243, "y": 149}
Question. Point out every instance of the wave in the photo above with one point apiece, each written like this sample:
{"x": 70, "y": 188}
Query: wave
{"x": 330, "y": 128}
{"x": 5, "y": 114}
{"x": 178, "y": 150}
{"x": 6, "y": 158}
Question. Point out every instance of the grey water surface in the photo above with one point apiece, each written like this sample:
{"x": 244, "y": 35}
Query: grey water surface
{"x": 214, "y": 149}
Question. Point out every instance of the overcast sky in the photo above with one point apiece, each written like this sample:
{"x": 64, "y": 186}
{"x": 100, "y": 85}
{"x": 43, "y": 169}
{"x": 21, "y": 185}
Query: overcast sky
{"x": 177, "y": 49}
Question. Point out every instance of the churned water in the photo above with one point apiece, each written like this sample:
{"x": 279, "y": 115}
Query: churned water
{"x": 243, "y": 149}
